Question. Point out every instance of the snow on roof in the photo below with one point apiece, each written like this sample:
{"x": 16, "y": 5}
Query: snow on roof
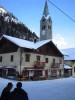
{"x": 68, "y": 53}
{"x": 25, "y": 43}
{"x": 40, "y": 43}
{"x": 67, "y": 67}
{"x": 46, "y": 17}
{"x": 70, "y": 57}
{"x": 20, "y": 42}
{"x": 7, "y": 67}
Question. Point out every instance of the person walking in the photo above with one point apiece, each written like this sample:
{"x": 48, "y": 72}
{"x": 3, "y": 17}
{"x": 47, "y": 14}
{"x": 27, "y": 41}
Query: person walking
{"x": 19, "y": 93}
{"x": 5, "y": 95}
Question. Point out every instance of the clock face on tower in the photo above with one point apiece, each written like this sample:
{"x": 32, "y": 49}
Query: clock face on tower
{"x": 43, "y": 32}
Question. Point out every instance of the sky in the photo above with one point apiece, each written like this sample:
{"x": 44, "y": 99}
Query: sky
{"x": 30, "y": 12}
{"x": 57, "y": 89}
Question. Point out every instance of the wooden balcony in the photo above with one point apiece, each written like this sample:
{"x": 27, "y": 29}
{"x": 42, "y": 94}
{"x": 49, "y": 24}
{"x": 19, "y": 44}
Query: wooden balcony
{"x": 39, "y": 64}
{"x": 55, "y": 65}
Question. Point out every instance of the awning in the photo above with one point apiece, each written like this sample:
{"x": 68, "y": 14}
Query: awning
{"x": 34, "y": 69}
{"x": 67, "y": 67}
{"x": 8, "y": 67}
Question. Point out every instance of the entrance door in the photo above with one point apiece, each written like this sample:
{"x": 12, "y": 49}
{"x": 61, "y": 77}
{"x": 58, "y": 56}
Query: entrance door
{"x": 53, "y": 73}
{"x": 4, "y": 72}
{"x": 46, "y": 73}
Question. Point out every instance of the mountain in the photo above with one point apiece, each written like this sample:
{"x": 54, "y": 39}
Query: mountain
{"x": 10, "y": 25}
{"x": 2, "y": 10}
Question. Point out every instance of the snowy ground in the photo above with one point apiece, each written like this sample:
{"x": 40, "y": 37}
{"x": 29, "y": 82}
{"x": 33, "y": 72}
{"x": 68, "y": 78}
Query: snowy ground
{"x": 58, "y": 89}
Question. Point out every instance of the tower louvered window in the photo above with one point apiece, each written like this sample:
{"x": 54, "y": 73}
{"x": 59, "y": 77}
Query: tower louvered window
{"x": 43, "y": 27}
{"x": 49, "y": 27}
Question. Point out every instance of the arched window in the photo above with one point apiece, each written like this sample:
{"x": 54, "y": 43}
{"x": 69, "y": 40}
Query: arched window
{"x": 43, "y": 20}
{"x": 43, "y": 27}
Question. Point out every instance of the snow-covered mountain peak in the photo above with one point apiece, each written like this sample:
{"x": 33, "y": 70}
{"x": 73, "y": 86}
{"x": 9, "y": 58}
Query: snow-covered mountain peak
{"x": 7, "y": 15}
{"x": 2, "y": 10}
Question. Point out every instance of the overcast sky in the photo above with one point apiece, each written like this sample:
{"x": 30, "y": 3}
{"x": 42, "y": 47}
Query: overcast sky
{"x": 30, "y": 12}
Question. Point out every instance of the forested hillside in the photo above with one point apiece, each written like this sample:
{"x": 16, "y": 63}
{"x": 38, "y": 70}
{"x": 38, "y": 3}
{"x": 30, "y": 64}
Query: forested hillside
{"x": 10, "y": 25}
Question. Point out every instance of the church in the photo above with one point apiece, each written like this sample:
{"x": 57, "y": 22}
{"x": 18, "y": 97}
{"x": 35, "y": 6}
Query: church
{"x": 34, "y": 60}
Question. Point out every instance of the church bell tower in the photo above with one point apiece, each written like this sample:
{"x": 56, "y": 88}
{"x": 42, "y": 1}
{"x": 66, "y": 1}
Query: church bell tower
{"x": 45, "y": 25}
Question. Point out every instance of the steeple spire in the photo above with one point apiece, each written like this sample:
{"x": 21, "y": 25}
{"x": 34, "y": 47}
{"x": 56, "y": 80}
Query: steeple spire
{"x": 46, "y": 11}
{"x": 45, "y": 24}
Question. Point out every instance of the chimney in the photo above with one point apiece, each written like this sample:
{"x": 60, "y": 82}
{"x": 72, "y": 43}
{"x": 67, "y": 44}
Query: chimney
{"x": 35, "y": 40}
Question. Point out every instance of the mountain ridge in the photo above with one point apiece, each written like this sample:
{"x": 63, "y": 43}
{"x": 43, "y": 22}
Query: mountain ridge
{"x": 10, "y": 25}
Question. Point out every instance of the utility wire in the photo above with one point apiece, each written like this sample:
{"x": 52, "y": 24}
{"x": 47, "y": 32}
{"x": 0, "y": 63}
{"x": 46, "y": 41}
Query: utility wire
{"x": 61, "y": 11}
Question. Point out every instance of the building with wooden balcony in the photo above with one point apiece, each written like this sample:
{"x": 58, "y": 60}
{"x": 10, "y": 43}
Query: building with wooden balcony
{"x": 39, "y": 64}
{"x": 55, "y": 65}
{"x": 40, "y": 59}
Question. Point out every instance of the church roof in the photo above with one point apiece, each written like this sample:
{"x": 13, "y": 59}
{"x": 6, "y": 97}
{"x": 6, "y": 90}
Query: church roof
{"x": 46, "y": 11}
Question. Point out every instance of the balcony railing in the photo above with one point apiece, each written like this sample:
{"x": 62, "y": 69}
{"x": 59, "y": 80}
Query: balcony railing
{"x": 39, "y": 64}
{"x": 55, "y": 65}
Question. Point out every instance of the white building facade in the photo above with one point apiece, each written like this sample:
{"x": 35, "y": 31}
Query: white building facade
{"x": 32, "y": 60}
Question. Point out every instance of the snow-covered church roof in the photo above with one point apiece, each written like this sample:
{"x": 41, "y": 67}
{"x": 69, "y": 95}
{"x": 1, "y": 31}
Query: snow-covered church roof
{"x": 25, "y": 43}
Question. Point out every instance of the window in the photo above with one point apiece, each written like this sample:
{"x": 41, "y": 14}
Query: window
{"x": 46, "y": 60}
{"x": 60, "y": 61}
{"x": 37, "y": 73}
{"x": 11, "y": 59}
{"x": 27, "y": 58}
{"x": 43, "y": 20}
{"x": 74, "y": 69}
{"x": 49, "y": 27}
{"x": 0, "y": 58}
{"x": 43, "y": 27}
{"x": 53, "y": 60}
{"x": 38, "y": 58}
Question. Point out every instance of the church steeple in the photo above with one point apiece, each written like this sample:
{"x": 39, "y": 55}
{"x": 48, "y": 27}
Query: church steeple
{"x": 46, "y": 24}
{"x": 46, "y": 11}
